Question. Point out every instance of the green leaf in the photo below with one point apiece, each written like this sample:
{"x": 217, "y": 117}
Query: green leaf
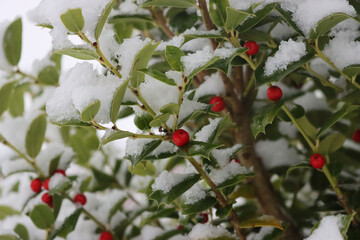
{"x": 352, "y": 70}
{"x": 345, "y": 224}
{"x": 255, "y": 35}
{"x": 5, "y": 94}
{"x": 79, "y": 53}
{"x": 159, "y": 76}
{"x": 159, "y": 120}
{"x": 327, "y": 23}
{"x": 234, "y": 18}
{"x": 73, "y": 20}
{"x": 136, "y": 18}
{"x": 265, "y": 116}
{"x": 67, "y": 226}
{"x": 163, "y": 213}
{"x": 336, "y": 117}
{"x": 35, "y": 135}
{"x": 60, "y": 188}
{"x": 168, "y": 234}
{"x": 53, "y": 164}
{"x": 261, "y": 78}
{"x": 22, "y": 231}
{"x": 202, "y": 67}
{"x": 217, "y": 11}
{"x": 7, "y": 211}
{"x": 103, "y": 178}
{"x": 176, "y": 191}
{"x": 235, "y": 180}
{"x": 49, "y": 76}
{"x": 143, "y": 121}
{"x": 288, "y": 18}
{"x": 173, "y": 55}
{"x": 12, "y": 42}
{"x": 194, "y": 114}
{"x": 224, "y": 211}
{"x": 263, "y": 221}
{"x": 223, "y": 64}
{"x": 296, "y": 110}
{"x": 8, "y": 237}
{"x": 331, "y": 143}
{"x": 189, "y": 37}
{"x": 117, "y": 100}
{"x": 169, "y": 3}
{"x": 172, "y": 108}
{"x": 143, "y": 168}
{"x": 195, "y": 148}
{"x": 90, "y": 111}
{"x": 297, "y": 166}
{"x": 115, "y": 135}
{"x": 16, "y": 101}
{"x": 309, "y": 129}
{"x": 42, "y": 216}
{"x": 145, "y": 151}
{"x": 140, "y": 62}
{"x": 198, "y": 206}
{"x": 259, "y": 15}
{"x": 102, "y": 20}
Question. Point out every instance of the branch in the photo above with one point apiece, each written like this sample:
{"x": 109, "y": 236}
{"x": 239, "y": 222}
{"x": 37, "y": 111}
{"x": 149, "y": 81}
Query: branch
{"x": 160, "y": 20}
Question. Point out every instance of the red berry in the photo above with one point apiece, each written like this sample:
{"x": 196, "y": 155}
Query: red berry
{"x": 80, "y": 198}
{"x": 180, "y": 137}
{"x": 219, "y": 104}
{"x": 46, "y": 184}
{"x": 317, "y": 161}
{"x": 35, "y": 185}
{"x": 105, "y": 236}
{"x": 234, "y": 159}
{"x": 46, "y": 198}
{"x": 61, "y": 171}
{"x": 356, "y": 136}
{"x": 205, "y": 217}
{"x": 274, "y": 93}
{"x": 252, "y": 46}
{"x": 179, "y": 227}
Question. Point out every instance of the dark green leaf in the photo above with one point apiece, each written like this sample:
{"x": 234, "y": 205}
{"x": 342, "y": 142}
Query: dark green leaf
{"x": 8, "y": 237}
{"x": 115, "y": 135}
{"x": 49, "y": 76}
{"x": 12, "y": 42}
{"x": 288, "y": 18}
{"x": 172, "y": 108}
{"x": 159, "y": 76}
{"x": 5, "y": 94}
{"x": 235, "y": 180}
{"x": 352, "y": 70}
{"x": 136, "y": 18}
{"x": 159, "y": 120}
{"x": 223, "y": 64}
{"x": 331, "y": 143}
{"x": 224, "y": 211}
{"x": 53, "y": 164}
{"x": 298, "y": 165}
{"x": 7, "y": 211}
{"x": 103, "y": 18}
{"x": 170, "y": 3}
{"x": 308, "y": 128}
{"x": 16, "y": 101}
{"x": 59, "y": 188}
{"x": 167, "y": 234}
{"x": 189, "y": 37}
{"x": 263, "y": 221}
{"x": 147, "y": 149}
{"x": 22, "y": 231}
{"x": 90, "y": 111}
{"x": 67, "y": 226}
{"x": 42, "y": 216}
{"x": 265, "y": 116}
{"x": 143, "y": 121}
{"x": 117, "y": 100}
{"x": 79, "y": 53}
{"x": 35, "y": 135}
{"x": 255, "y": 35}
{"x": 73, "y": 20}
{"x": 176, "y": 191}
{"x": 234, "y": 18}
{"x": 173, "y": 55}
{"x": 336, "y": 117}
{"x": 199, "y": 149}
{"x": 296, "y": 110}
{"x": 163, "y": 213}
{"x": 103, "y": 178}
{"x": 217, "y": 10}
{"x": 198, "y": 206}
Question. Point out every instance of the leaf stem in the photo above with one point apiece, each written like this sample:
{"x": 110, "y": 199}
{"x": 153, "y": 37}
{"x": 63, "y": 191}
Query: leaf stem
{"x": 323, "y": 80}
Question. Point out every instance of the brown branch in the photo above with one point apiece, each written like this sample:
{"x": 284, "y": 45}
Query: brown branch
{"x": 160, "y": 20}
{"x": 207, "y": 20}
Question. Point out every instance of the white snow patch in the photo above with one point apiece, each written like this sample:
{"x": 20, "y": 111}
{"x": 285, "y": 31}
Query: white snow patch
{"x": 57, "y": 180}
{"x": 167, "y": 180}
{"x": 207, "y": 231}
{"x": 222, "y": 156}
{"x": 328, "y": 229}
{"x": 229, "y": 171}
{"x": 205, "y": 133}
{"x": 188, "y": 107}
{"x": 213, "y": 85}
{"x": 195, "y": 194}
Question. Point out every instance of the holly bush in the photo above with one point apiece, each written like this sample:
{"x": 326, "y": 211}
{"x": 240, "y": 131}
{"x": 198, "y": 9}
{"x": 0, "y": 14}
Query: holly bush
{"x": 184, "y": 120}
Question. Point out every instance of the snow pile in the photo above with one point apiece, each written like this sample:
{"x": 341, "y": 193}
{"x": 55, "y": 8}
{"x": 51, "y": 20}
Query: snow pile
{"x": 205, "y": 133}
{"x": 79, "y": 88}
{"x": 343, "y": 50}
{"x": 48, "y": 13}
{"x": 289, "y": 52}
{"x": 207, "y": 231}
{"x": 328, "y": 229}
{"x": 213, "y": 85}
{"x": 57, "y": 180}
{"x": 229, "y": 171}
{"x": 195, "y": 194}
{"x": 4, "y": 64}
{"x": 167, "y": 180}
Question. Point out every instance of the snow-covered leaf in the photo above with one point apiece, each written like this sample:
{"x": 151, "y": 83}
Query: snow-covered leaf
{"x": 35, "y": 135}
{"x": 79, "y": 53}
{"x": 223, "y": 64}
{"x": 198, "y": 206}
{"x": 117, "y": 100}
{"x": 90, "y": 111}
{"x": 73, "y": 20}
{"x": 158, "y": 75}
{"x": 265, "y": 116}
{"x": 261, "y": 221}
{"x": 170, "y": 3}
{"x": 203, "y": 66}
{"x": 193, "y": 115}
{"x": 103, "y": 18}
{"x": 5, "y": 94}
{"x": 235, "y": 180}
{"x": 195, "y": 148}
{"x": 217, "y": 11}
{"x": 144, "y": 152}
{"x": 61, "y": 187}
{"x": 42, "y": 216}
{"x": 173, "y": 55}
{"x": 12, "y": 42}
{"x": 288, "y": 18}
{"x": 67, "y": 226}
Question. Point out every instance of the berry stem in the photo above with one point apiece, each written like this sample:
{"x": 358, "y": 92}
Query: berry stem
{"x": 233, "y": 217}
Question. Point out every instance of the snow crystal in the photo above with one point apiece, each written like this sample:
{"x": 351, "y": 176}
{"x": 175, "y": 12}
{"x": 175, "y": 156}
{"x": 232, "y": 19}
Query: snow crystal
{"x": 80, "y": 87}
{"x": 343, "y": 50}
{"x": 135, "y": 146}
{"x": 213, "y": 85}
{"x": 4, "y": 64}
{"x": 205, "y": 133}
{"x": 222, "y": 156}
{"x": 176, "y": 76}
{"x": 228, "y": 172}
{"x": 188, "y": 107}
{"x": 289, "y": 51}
{"x": 167, "y": 180}
{"x": 207, "y": 231}
{"x": 328, "y": 229}
{"x": 195, "y": 194}
{"x": 57, "y": 180}
{"x": 283, "y": 156}
{"x": 49, "y": 11}
{"x": 152, "y": 88}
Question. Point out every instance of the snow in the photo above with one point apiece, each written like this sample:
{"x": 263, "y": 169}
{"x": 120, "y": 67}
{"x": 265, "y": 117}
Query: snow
{"x": 175, "y": 41}
{"x": 213, "y": 85}
{"x": 4, "y": 64}
{"x": 264, "y": 231}
{"x": 51, "y": 151}
{"x": 207, "y": 231}
{"x": 49, "y": 11}
{"x": 343, "y": 48}
{"x": 11, "y": 166}
{"x": 194, "y": 31}
{"x": 282, "y": 31}
{"x": 167, "y": 180}
{"x": 328, "y": 229}
{"x": 195, "y": 194}
{"x": 57, "y": 180}
{"x": 134, "y": 147}
{"x": 289, "y": 51}
{"x": 188, "y": 107}
{"x": 165, "y": 147}
{"x": 40, "y": 64}
{"x": 176, "y": 76}
{"x": 80, "y": 87}
{"x": 205, "y": 133}
{"x": 229, "y": 171}
{"x": 309, "y": 101}
{"x": 222, "y": 156}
